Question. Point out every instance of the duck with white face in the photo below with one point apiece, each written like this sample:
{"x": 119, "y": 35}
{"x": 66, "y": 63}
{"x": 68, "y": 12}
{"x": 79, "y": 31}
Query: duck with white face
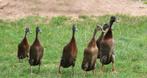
{"x": 90, "y": 53}
{"x": 99, "y": 40}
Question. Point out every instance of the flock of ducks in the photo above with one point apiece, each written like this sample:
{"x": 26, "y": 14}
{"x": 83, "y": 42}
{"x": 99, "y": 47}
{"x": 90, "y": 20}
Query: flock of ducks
{"x": 34, "y": 52}
{"x": 101, "y": 48}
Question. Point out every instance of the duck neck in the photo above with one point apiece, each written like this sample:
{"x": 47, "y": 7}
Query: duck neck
{"x": 108, "y": 34}
{"x": 111, "y": 23}
{"x": 93, "y": 41}
{"x": 94, "y": 34}
{"x": 36, "y": 39}
{"x": 101, "y": 36}
{"x": 73, "y": 36}
{"x": 25, "y": 35}
{"x": 25, "y": 38}
{"x": 73, "y": 33}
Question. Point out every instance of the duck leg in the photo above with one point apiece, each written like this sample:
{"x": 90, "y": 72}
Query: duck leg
{"x": 31, "y": 69}
{"x": 39, "y": 68}
{"x": 85, "y": 73}
{"x": 113, "y": 65}
{"x": 73, "y": 70}
{"x": 19, "y": 61}
{"x": 94, "y": 68}
{"x": 93, "y": 71}
{"x": 102, "y": 68}
{"x": 59, "y": 71}
{"x": 27, "y": 57}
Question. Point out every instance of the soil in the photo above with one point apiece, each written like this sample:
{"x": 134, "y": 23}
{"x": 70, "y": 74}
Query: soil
{"x": 14, "y": 9}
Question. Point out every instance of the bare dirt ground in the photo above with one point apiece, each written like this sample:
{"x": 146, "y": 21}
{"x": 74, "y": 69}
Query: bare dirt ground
{"x": 14, "y": 9}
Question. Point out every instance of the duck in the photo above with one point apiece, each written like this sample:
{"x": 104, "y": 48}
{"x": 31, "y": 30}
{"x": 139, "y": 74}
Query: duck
{"x": 99, "y": 40}
{"x": 23, "y": 46}
{"x": 69, "y": 53}
{"x": 90, "y": 53}
{"x": 36, "y": 51}
{"x": 107, "y": 54}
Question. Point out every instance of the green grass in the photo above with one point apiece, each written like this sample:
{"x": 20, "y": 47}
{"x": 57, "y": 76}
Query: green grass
{"x": 145, "y": 2}
{"x": 130, "y": 46}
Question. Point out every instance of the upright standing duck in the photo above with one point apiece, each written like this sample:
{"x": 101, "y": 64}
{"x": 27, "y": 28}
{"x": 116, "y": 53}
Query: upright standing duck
{"x": 107, "y": 47}
{"x": 36, "y": 52}
{"x": 69, "y": 52}
{"x": 90, "y": 53}
{"x": 23, "y": 46}
{"x": 99, "y": 40}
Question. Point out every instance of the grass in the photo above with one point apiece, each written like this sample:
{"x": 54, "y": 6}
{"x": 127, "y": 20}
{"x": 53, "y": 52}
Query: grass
{"x": 130, "y": 40}
{"x": 145, "y": 2}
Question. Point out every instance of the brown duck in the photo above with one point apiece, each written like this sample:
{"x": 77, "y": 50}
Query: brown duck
{"x": 99, "y": 40}
{"x": 90, "y": 53}
{"x": 107, "y": 47}
{"x": 69, "y": 52}
{"x": 23, "y": 46}
{"x": 36, "y": 52}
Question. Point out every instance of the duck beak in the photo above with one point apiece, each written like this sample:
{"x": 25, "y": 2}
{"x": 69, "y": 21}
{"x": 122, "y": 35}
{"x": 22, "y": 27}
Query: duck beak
{"x": 76, "y": 29}
{"x": 99, "y": 28}
{"x": 103, "y": 31}
{"x": 118, "y": 20}
{"x": 40, "y": 31}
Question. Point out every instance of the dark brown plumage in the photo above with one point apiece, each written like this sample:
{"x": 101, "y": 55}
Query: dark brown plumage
{"x": 99, "y": 40}
{"x": 23, "y": 47}
{"x": 107, "y": 47}
{"x": 36, "y": 51}
{"x": 90, "y": 53}
{"x": 69, "y": 52}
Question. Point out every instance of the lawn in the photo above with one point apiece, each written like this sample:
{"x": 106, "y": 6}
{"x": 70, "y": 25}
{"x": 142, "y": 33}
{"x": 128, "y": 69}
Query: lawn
{"x": 130, "y": 35}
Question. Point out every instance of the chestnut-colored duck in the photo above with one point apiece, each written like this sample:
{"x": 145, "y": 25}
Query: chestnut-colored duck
{"x": 69, "y": 52}
{"x": 90, "y": 53}
{"x": 107, "y": 47}
{"x": 36, "y": 52}
{"x": 23, "y": 46}
{"x": 99, "y": 40}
